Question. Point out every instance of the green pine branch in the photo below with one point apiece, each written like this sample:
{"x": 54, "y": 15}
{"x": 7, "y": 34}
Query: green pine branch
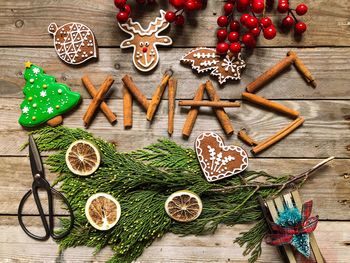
{"x": 141, "y": 181}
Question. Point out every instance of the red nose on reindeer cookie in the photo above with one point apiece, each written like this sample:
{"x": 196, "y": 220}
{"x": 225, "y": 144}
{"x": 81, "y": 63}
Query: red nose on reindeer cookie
{"x": 217, "y": 160}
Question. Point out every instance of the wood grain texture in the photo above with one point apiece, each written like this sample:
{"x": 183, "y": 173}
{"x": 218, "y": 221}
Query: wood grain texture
{"x": 329, "y": 66}
{"x": 24, "y": 23}
{"x": 329, "y": 188}
{"x": 325, "y": 123}
{"x": 15, "y": 246}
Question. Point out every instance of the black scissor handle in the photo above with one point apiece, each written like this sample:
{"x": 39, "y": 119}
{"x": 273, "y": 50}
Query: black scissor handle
{"x": 49, "y": 227}
{"x": 20, "y": 220}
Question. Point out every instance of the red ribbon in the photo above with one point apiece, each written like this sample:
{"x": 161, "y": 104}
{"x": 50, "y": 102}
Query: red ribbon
{"x": 284, "y": 235}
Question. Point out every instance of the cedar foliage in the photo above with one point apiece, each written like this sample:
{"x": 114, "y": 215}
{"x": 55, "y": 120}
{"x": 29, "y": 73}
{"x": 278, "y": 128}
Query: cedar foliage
{"x": 141, "y": 181}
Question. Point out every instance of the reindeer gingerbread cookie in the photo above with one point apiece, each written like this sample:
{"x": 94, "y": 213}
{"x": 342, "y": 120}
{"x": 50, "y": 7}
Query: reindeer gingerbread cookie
{"x": 145, "y": 41}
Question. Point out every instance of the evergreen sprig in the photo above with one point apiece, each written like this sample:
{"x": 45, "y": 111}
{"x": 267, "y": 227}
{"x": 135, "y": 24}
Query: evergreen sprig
{"x": 141, "y": 181}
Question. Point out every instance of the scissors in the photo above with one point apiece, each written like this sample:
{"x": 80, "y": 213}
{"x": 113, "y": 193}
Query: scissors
{"x": 39, "y": 182}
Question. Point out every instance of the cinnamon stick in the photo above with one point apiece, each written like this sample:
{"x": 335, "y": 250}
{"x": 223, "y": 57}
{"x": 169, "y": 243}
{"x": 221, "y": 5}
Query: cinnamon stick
{"x": 157, "y": 96}
{"x": 193, "y": 113}
{"x": 112, "y": 118}
{"x": 303, "y": 69}
{"x": 278, "y": 136}
{"x": 136, "y": 93}
{"x": 243, "y": 136}
{"x": 214, "y": 104}
{"x": 96, "y": 101}
{"x": 220, "y": 112}
{"x": 171, "y": 104}
{"x": 270, "y": 73}
{"x": 269, "y": 104}
{"x": 127, "y": 107}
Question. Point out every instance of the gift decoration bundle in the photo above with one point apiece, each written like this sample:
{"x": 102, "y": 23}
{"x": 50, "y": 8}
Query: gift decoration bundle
{"x": 127, "y": 200}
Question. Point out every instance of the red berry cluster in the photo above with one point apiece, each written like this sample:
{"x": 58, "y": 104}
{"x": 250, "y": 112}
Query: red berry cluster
{"x": 290, "y": 20}
{"x": 125, "y": 9}
{"x": 247, "y": 29}
{"x": 181, "y": 6}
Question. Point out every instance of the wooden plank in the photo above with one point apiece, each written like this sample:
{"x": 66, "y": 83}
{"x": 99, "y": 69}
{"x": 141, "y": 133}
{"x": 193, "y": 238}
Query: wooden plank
{"x": 289, "y": 85}
{"x": 16, "y": 246}
{"x": 24, "y": 23}
{"x": 328, "y": 188}
{"x": 317, "y": 138}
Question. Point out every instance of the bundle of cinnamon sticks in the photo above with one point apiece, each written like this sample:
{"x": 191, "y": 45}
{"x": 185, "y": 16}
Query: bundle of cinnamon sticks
{"x": 216, "y": 104}
{"x": 258, "y": 83}
{"x": 131, "y": 91}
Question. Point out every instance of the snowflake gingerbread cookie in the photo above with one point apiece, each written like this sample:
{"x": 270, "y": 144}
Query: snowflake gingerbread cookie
{"x": 145, "y": 41}
{"x": 217, "y": 160}
{"x": 224, "y": 67}
{"x": 74, "y": 42}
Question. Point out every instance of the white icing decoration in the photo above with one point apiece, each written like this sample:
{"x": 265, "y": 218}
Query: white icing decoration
{"x": 43, "y": 93}
{"x": 25, "y": 110}
{"x": 143, "y": 63}
{"x": 216, "y": 167}
{"x": 73, "y": 42}
{"x": 204, "y": 59}
{"x": 50, "y": 110}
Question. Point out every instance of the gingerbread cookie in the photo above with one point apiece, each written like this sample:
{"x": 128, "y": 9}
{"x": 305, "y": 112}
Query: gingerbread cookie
{"x": 224, "y": 67}
{"x": 217, "y": 160}
{"x": 45, "y": 99}
{"x": 74, "y": 42}
{"x": 145, "y": 41}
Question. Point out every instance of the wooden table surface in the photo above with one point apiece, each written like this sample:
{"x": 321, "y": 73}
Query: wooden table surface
{"x": 325, "y": 49}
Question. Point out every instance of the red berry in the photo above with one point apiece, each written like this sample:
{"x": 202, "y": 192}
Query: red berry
{"x": 258, "y": 6}
{"x": 179, "y": 4}
{"x": 122, "y": 17}
{"x": 234, "y": 25}
{"x": 235, "y": 47}
{"x": 300, "y": 27}
{"x": 251, "y": 22}
{"x": 170, "y": 16}
{"x": 179, "y": 20}
{"x": 288, "y": 21}
{"x": 233, "y": 36}
{"x": 283, "y": 7}
{"x": 255, "y": 31}
{"x": 221, "y": 34}
{"x": 222, "y": 21}
{"x": 301, "y": 9}
{"x": 265, "y": 21}
{"x": 127, "y": 9}
{"x": 228, "y": 8}
{"x": 222, "y": 48}
{"x": 242, "y": 5}
{"x": 270, "y": 32}
{"x": 249, "y": 40}
{"x": 120, "y": 3}
{"x": 244, "y": 18}
{"x": 190, "y": 5}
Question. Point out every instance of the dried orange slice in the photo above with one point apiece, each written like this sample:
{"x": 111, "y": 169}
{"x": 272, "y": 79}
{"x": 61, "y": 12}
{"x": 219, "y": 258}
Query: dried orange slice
{"x": 184, "y": 206}
{"x": 102, "y": 211}
{"x": 83, "y": 158}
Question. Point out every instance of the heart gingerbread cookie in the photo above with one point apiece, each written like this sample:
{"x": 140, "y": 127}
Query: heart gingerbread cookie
{"x": 217, "y": 160}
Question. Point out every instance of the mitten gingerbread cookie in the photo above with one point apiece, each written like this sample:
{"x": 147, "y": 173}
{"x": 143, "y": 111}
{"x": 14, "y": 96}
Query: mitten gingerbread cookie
{"x": 217, "y": 160}
{"x": 145, "y": 41}
{"x": 74, "y": 42}
{"x": 223, "y": 67}
{"x": 45, "y": 100}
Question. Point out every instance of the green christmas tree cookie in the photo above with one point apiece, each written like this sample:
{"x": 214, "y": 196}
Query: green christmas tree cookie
{"x": 45, "y": 99}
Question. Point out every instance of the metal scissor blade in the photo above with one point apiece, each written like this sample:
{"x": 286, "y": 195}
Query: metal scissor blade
{"x": 34, "y": 157}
